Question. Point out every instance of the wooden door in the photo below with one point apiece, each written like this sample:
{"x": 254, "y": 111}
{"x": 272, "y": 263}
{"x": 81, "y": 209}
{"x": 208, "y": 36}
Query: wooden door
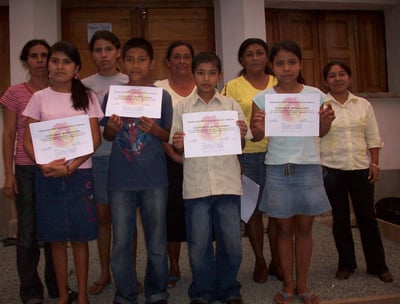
{"x": 357, "y": 38}
{"x": 162, "y": 26}
{"x": 75, "y": 29}
{"x": 301, "y": 27}
{"x": 159, "y": 25}
{"x": 4, "y": 49}
{"x": 372, "y": 53}
{"x": 337, "y": 37}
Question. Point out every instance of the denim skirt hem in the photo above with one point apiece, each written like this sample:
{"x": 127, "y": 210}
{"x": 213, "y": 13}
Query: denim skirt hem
{"x": 298, "y": 190}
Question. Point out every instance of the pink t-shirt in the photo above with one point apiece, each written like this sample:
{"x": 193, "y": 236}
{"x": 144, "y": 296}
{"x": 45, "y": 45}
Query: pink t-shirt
{"x": 48, "y": 104}
{"x": 15, "y": 99}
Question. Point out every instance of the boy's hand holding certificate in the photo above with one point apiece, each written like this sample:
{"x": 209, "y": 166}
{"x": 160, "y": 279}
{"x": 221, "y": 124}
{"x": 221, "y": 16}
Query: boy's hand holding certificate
{"x": 134, "y": 101}
{"x": 68, "y": 138}
{"x": 292, "y": 114}
{"x": 211, "y": 134}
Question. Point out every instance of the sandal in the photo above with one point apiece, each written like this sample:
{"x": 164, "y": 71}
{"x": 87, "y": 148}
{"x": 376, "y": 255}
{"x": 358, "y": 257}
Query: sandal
{"x": 172, "y": 280}
{"x": 98, "y": 287}
{"x": 309, "y": 297}
{"x": 283, "y": 297}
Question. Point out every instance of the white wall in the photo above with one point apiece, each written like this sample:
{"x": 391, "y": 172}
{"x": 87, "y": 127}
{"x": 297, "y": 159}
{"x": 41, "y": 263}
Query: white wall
{"x": 235, "y": 21}
{"x": 387, "y": 111}
{"x": 29, "y": 19}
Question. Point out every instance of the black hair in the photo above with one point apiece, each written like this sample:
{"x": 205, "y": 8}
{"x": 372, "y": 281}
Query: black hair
{"x": 80, "y": 94}
{"x": 31, "y": 43}
{"x": 138, "y": 42}
{"x": 206, "y": 57}
{"x": 343, "y": 65}
{"x": 245, "y": 44}
{"x": 106, "y": 35}
{"x": 289, "y": 46}
{"x": 175, "y": 44}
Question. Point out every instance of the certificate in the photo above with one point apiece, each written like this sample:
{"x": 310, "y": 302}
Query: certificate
{"x": 133, "y": 101}
{"x": 211, "y": 134}
{"x": 248, "y": 201}
{"x": 292, "y": 114}
{"x": 68, "y": 138}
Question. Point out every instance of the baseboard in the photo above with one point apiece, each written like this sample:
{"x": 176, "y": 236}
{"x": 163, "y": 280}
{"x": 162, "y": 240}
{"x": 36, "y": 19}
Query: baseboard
{"x": 387, "y": 299}
{"x": 389, "y": 231}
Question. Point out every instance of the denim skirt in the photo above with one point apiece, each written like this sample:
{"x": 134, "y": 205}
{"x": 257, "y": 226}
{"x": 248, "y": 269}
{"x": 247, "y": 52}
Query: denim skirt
{"x": 293, "y": 189}
{"x": 66, "y": 207}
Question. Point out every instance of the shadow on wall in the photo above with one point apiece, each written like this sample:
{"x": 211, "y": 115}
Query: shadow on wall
{"x": 388, "y": 184}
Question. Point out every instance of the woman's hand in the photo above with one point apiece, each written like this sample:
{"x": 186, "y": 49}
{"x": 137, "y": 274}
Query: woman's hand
{"x": 10, "y": 189}
{"x": 373, "y": 175}
{"x": 326, "y": 116}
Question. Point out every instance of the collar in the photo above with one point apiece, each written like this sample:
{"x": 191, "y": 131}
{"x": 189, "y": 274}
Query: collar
{"x": 217, "y": 97}
{"x": 350, "y": 98}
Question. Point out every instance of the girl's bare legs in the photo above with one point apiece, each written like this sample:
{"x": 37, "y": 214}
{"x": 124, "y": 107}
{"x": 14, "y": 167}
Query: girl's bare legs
{"x": 103, "y": 246}
{"x": 285, "y": 233}
{"x": 255, "y": 232}
{"x": 59, "y": 253}
{"x": 174, "y": 250}
{"x": 274, "y": 267}
{"x": 81, "y": 259}
{"x": 303, "y": 250}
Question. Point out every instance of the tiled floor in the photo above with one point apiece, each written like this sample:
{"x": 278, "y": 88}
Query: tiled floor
{"x": 321, "y": 275}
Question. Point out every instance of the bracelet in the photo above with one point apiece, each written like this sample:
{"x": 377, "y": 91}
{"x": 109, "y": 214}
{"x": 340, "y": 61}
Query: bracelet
{"x": 68, "y": 170}
{"x": 374, "y": 165}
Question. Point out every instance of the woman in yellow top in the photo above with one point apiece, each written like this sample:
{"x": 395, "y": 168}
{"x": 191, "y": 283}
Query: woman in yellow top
{"x": 253, "y": 78}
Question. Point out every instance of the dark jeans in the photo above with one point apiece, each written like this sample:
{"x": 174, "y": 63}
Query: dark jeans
{"x": 339, "y": 185}
{"x": 28, "y": 250}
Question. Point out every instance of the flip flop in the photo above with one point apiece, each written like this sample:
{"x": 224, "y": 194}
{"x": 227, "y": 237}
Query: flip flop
{"x": 283, "y": 297}
{"x": 98, "y": 287}
{"x": 172, "y": 280}
{"x": 309, "y": 297}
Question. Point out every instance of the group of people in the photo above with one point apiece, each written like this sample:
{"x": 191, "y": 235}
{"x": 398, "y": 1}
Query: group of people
{"x": 140, "y": 165}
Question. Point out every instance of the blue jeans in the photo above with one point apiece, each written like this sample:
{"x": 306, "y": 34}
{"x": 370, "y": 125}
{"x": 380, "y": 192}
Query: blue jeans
{"x": 214, "y": 276}
{"x": 28, "y": 251}
{"x": 153, "y": 206}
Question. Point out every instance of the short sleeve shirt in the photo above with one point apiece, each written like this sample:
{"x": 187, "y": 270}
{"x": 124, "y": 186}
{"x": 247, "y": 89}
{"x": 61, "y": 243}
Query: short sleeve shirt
{"x": 291, "y": 149}
{"x": 243, "y": 92}
{"x": 15, "y": 99}
{"x": 137, "y": 160}
{"x": 101, "y": 85}
{"x": 215, "y": 175}
{"x": 48, "y": 104}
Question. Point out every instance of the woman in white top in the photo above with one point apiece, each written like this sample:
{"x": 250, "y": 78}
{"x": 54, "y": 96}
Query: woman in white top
{"x": 179, "y": 85}
{"x": 350, "y": 155}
